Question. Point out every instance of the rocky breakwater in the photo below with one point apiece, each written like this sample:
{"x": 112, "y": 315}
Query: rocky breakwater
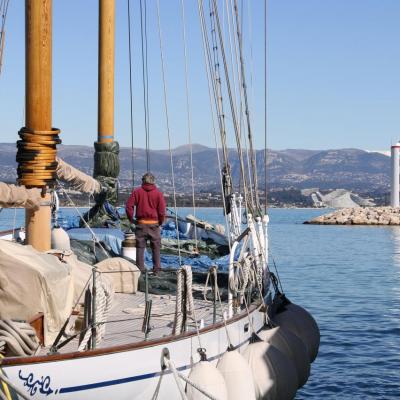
{"x": 360, "y": 216}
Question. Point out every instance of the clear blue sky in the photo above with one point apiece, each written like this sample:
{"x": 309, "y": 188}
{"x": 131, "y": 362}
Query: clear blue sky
{"x": 334, "y": 73}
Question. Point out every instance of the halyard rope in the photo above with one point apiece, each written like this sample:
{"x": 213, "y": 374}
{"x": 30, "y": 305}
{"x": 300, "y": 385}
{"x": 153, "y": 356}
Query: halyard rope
{"x": 189, "y": 122}
{"x": 168, "y": 127}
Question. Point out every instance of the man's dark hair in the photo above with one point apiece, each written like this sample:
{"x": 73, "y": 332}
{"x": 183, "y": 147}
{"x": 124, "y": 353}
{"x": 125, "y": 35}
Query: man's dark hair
{"x": 148, "y": 178}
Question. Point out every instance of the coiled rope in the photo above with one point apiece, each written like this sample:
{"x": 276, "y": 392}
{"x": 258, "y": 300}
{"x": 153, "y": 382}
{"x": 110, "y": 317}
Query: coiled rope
{"x": 184, "y": 279}
{"x": 36, "y": 157}
{"x": 104, "y": 296}
{"x": 17, "y": 338}
{"x": 242, "y": 277}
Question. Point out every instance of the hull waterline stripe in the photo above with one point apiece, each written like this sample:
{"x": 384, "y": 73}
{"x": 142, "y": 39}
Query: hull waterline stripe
{"x": 107, "y": 383}
{"x": 150, "y": 375}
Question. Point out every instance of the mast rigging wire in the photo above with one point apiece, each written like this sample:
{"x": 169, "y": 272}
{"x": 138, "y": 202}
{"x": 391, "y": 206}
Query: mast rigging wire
{"x": 3, "y": 10}
{"x": 218, "y": 86}
{"x": 168, "y": 128}
{"x": 145, "y": 77}
{"x": 214, "y": 81}
{"x": 247, "y": 111}
{"x": 131, "y": 95}
{"x": 187, "y": 269}
{"x": 208, "y": 58}
{"x": 249, "y": 204}
{"x": 210, "y": 83}
{"x": 265, "y": 107}
{"x": 227, "y": 184}
{"x": 235, "y": 65}
{"x": 188, "y": 114}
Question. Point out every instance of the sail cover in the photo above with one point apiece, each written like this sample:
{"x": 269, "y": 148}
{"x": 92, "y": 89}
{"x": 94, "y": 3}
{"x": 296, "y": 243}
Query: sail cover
{"x": 77, "y": 179}
{"x": 32, "y": 282}
{"x": 19, "y": 196}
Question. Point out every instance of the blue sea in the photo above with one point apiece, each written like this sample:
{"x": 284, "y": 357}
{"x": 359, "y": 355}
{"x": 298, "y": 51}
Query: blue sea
{"x": 348, "y": 277}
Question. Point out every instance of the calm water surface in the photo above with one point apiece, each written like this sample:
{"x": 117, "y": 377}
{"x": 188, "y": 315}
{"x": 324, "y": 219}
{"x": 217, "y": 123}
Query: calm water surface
{"x": 349, "y": 279}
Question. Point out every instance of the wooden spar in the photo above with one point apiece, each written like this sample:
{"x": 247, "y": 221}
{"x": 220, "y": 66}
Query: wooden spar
{"x": 106, "y": 71}
{"x": 38, "y": 92}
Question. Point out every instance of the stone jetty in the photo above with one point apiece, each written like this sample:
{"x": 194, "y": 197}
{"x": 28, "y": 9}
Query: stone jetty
{"x": 360, "y": 216}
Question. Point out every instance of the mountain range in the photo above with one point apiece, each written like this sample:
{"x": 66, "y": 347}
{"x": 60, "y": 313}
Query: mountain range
{"x": 352, "y": 169}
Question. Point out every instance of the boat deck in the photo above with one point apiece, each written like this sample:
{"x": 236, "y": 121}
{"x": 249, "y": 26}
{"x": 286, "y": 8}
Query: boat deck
{"x": 125, "y": 320}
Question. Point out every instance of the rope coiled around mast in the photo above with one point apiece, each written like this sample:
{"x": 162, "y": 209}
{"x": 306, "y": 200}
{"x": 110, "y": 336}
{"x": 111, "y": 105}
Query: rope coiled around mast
{"x": 36, "y": 157}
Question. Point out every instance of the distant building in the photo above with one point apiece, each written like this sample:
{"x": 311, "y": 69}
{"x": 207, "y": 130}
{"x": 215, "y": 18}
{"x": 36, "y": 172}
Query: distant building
{"x": 394, "y": 186}
{"x": 339, "y": 198}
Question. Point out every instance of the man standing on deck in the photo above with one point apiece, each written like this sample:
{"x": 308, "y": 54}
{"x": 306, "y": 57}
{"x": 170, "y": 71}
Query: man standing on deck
{"x": 150, "y": 214}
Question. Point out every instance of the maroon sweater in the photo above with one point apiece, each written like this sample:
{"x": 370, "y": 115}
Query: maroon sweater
{"x": 149, "y": 203}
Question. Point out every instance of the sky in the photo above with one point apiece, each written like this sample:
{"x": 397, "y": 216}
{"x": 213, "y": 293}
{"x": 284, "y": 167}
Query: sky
{"x": 333, "y": 73}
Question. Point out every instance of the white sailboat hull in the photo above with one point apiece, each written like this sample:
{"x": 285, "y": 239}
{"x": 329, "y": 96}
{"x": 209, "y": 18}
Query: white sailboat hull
{"x": 126, "y": 372}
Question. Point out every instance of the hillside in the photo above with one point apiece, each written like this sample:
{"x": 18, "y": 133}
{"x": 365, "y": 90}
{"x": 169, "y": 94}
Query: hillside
{"x": 351, "y": 169}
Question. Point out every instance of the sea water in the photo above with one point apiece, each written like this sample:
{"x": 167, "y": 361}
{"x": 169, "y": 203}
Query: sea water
{"x": 348, "y": 277}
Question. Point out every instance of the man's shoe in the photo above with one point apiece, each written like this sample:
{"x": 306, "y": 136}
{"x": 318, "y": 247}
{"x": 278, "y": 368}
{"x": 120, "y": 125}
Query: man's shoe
{"x": 157, "y": 272}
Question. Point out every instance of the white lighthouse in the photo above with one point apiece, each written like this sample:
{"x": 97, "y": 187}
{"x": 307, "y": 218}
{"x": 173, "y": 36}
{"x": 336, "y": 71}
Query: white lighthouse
{"x": 394, "y": 195}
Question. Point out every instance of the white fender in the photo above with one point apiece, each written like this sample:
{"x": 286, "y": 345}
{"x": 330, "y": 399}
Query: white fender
{"x": 293, "y": 348}
{"x": 238, "y": 376}
{"x": 275, "y": 376}
{"x": 206, "y": 376}
{"x": 60, "y": 239}
{"x": 300, "y": 322}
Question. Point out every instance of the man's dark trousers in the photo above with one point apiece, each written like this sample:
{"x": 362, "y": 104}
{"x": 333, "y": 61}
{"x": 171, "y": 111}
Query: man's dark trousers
{"x": 143, "y": 233}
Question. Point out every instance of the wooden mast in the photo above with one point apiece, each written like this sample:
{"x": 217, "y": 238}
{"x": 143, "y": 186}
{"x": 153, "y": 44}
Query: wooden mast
{"x": 38, "y": 97}
{"x": 106, "y": 71}
{"x": 106, "y": 161}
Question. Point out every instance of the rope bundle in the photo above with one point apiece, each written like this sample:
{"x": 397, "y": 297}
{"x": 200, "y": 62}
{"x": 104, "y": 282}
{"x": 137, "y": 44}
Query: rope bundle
{"x": 184, "y": 297}
{"x": 36, "y": 157}
{"x": 17, "y": 338}
{"x": 104, "y": 301}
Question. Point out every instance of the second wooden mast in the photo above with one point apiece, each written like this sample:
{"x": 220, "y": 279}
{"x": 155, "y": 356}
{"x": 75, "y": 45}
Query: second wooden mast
{"x": 106, "y": 161}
